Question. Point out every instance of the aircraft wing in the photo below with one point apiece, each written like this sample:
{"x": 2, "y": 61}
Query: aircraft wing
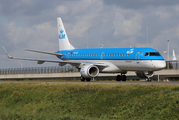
{"x": 40, "y": 61}
{"x": 44, "y": 52}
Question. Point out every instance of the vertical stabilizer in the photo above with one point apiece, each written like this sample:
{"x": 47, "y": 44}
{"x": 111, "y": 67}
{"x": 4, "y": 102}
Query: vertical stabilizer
{"x": 64, "y": 43}
{"x": 174, "y": 57}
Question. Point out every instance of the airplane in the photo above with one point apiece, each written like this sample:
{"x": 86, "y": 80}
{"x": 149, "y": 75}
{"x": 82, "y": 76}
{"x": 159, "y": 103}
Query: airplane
{"x": 92, "y": 61}
{"x": 174, "y": 56}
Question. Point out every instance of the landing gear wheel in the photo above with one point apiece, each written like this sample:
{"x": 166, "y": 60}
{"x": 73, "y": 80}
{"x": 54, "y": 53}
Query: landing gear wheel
{"x": 82, "y": 78}
{"x": 148, "y": 80}
{"x": 88, "y": 79}
{"x": 123, "y": 78}
{"x": 118, "y": 78}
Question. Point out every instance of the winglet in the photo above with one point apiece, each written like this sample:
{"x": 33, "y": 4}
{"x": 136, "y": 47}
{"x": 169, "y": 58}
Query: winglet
{"x": 7, "y": 53}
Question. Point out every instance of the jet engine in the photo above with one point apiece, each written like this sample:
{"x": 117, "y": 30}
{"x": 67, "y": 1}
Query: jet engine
{"x": 89, "y": 71}
{"x": 144, "y": 74}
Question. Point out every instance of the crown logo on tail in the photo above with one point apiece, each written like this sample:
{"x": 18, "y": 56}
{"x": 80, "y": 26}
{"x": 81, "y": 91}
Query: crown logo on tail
{"x": 61, "y": 35}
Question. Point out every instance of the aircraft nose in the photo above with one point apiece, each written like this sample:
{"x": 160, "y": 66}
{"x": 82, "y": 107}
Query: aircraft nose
{"x": 160, "y": 65}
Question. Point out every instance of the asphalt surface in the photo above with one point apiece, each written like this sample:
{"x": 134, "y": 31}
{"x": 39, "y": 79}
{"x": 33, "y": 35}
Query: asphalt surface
{"x": 97, "y": 82}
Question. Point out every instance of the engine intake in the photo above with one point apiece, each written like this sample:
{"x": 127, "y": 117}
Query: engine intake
{"x": 89, "y": 71}
{"x": 144, "y": 74}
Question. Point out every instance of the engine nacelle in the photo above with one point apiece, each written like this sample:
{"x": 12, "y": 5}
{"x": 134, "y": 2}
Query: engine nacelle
{"x": 144, "y": 74}
{"x": 89, "y": 71}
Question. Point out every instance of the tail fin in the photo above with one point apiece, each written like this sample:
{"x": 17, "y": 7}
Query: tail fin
{"x": 64, "y": 43}
{"x": 174, "y": 57}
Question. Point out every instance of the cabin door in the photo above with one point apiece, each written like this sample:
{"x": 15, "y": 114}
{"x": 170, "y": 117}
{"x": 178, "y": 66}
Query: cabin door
{"x": 102, "y": 54}
{"x": 137, "y": 57}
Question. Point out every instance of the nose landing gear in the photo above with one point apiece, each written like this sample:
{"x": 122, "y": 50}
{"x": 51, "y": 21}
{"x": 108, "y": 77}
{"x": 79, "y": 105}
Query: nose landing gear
{"x": 83, "y": 79}
{"x": 148, "y": 80}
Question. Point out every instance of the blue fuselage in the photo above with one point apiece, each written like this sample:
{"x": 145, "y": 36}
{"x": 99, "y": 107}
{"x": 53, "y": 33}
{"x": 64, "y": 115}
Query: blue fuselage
{"x": 110, "y": 54}
{"x": 125, "y": 59}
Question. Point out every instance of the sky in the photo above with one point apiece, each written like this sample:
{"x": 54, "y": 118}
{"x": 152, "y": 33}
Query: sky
{"x": 32, "y": 24}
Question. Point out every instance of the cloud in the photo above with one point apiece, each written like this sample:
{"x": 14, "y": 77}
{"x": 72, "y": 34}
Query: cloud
{"x": 138, "y": 4}
{"x": 127, "y": 27}
{"x": 113, "y": 23}
{"x": 61, "y": 9}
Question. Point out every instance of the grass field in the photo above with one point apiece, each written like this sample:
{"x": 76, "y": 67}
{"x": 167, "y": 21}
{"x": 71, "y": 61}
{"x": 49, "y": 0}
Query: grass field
{"x": 88, "y": 101}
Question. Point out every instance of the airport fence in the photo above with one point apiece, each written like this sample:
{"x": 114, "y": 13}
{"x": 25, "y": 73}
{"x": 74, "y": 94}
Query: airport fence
{"x": 38, "y": 70}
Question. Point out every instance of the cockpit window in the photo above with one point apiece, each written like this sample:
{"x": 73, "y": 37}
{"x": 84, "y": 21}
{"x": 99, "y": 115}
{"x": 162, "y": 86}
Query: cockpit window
{"x": 146, "y": 54}
{"x": 155, "y": 54}
{"x": 152, "y": 54}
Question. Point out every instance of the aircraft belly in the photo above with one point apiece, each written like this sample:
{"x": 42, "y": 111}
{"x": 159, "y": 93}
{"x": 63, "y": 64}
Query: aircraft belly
{"x": 142, "y": 65}
{"x": 124, "y": 65}
{"x": 133, "y": 65}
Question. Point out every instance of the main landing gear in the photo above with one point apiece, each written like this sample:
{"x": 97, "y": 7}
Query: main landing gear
{"x": 83, "y": 79}
{"x": 121, "y": 77}
{"x": 148, "y": 80}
